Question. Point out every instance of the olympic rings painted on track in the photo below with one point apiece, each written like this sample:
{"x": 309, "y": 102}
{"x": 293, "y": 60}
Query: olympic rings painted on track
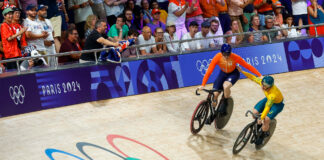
{"x": 49, "y": 152}
{"x": 17, "y": 94}
{"x": 110, "y": 139}
{"x": 80, "y": 146}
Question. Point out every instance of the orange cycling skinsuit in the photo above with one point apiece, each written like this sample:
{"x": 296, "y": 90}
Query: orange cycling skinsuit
{"x": 228, "y": 69}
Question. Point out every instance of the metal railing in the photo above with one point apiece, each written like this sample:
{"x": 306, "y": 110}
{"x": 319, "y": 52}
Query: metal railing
{"x": 138, "y": 56}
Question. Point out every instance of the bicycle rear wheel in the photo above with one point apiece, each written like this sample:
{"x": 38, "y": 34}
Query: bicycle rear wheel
{"x": 221, "y": 121}
{"x": 272, "y": 128}
{"x": 243, "y": 138}
{"x": 199, "y": 117}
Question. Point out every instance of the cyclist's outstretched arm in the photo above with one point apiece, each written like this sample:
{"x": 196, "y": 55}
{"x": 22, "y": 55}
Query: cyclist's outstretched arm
{"x": 211, "y": 68}
{"x": 252, "y": 77}
{"x": 247, "y": 66}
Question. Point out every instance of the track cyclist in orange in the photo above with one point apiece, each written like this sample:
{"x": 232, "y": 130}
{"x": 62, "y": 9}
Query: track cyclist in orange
{"x": 227, "y": 77}
{"x": 270, "y": 106}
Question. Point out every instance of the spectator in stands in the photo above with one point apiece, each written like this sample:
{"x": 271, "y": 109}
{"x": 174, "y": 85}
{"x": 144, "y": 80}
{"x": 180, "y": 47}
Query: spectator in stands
{"x": 255, "y": 37}
{"x": 194, "y": 14}
{"x": 17, "y": 26}
{"x": 139, "y": 19}
{"x": 47, "y": 27}
{"x": 70, "y": 44}
{"x": 9, "y": 38}
{"x": 163, "y": 4}
{"x": 147, "y": 12}
{"x": 264, "y": 7}
{"x": 290, "y": 33}
{"x": 113, "y": 9}
{"x": 96, "y": 40}
{"x": 81, "y": 10}
{"x": 25, "y": 3}
{"x": 98, "y": 9}
{"x": 170, "y": 35}
{"x": 234, "y": 40}
{"x": 193, "y": 29}
{"x": 235, "y": 10}
{"x": 208, "y": 8}
{"x": 65, "y": 20}
{"x": 274, "y": 35}
{"x": 214, "y": 25}
{"x": 54, "y": 15}
{"x": 223, "y": 16}
{"x": 130, "y": 19}
{"x": 278, "y": 19}
{"x": 287, "y": 10}
{"x": 177, "y": 15}
{"x": 204, "y": 43}
{"x": 248, "y": 12}
{"x": 35, "y": 33}
{"x": 90, "y": 25}
{"x": 299, "y": 9}
{"x": 119, "y": 31}
{"x": 163, "y": 13}
{"x": 158, "y": 33}
{"x": 156, "y": 20}
{"x": 316, "y": 16}
{"x": 147, "y": 38}
{"x": 131, "y": 52}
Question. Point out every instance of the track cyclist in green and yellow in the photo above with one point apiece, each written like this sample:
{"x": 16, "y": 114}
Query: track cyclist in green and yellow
{"x": 270, "y": 106}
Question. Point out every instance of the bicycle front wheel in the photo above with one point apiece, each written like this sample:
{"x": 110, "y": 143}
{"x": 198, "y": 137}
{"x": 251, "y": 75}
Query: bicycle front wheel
{"x": 243, "y": 138}
{"x": 199, "y": 117}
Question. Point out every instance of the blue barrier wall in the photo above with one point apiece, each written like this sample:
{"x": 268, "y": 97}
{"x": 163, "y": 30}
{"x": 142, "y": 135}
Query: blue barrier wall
{"x": 33, "y": 92}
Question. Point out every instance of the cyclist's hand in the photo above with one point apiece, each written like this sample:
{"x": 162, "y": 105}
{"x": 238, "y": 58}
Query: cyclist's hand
{"x": 239, "y": 68}
{"x": 260, "y": 121}
{"x": 200, "y": 88}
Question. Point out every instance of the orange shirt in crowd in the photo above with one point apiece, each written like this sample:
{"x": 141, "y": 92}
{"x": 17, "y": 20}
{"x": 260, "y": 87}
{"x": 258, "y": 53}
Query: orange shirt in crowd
{"x": 196, "y": 12}
{"x": 16, "y": 27}
{"x": 222, "y": 8}
{"x": 264, "y": 7}
{"x": 227, "y": 65}
{"x": 10, "y": 48}
{"x": 209, "y": 8}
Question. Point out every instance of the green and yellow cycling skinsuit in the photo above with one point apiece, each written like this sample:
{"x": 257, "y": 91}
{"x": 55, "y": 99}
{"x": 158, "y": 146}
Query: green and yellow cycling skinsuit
{"x": 272, "y": 104}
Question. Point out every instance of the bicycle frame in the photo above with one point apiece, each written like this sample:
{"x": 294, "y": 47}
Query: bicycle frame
{"x": 209, "y": 99}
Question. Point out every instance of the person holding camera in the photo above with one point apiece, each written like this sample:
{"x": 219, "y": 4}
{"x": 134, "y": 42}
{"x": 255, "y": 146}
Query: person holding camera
{"x": 264, "y": 8}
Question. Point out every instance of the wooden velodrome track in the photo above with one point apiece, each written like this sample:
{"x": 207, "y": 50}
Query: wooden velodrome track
{"x": 161, "y": 122}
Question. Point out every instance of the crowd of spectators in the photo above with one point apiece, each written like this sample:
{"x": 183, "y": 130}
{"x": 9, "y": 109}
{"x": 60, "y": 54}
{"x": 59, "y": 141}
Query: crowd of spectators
{"x": 57, "y": 26}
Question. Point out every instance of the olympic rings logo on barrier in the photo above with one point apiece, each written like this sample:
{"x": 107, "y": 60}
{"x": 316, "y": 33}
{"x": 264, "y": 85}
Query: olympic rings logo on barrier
{"x": 17, "y": 94}
{"x": 110, "y": 138}
{"x": 202, "y": 66}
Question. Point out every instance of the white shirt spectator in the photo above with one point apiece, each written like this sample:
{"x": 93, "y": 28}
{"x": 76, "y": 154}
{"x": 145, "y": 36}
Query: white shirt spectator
{"x": 114, "y": 10}
{"x": 172, "y": 47}
{"x": 47, "y": 26}
{"x": 178, "y": 21}
{"x": 204, "y": 43}
{"x": 217, "y": 41}
{"x": 36, "y": 28}
{"x": 80, "y": 14}
{"x": 293, "y": 32}
{"x": 141, "y": 41}
{"x": 299, "y": 7}
{"x": 188, "y": 45}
